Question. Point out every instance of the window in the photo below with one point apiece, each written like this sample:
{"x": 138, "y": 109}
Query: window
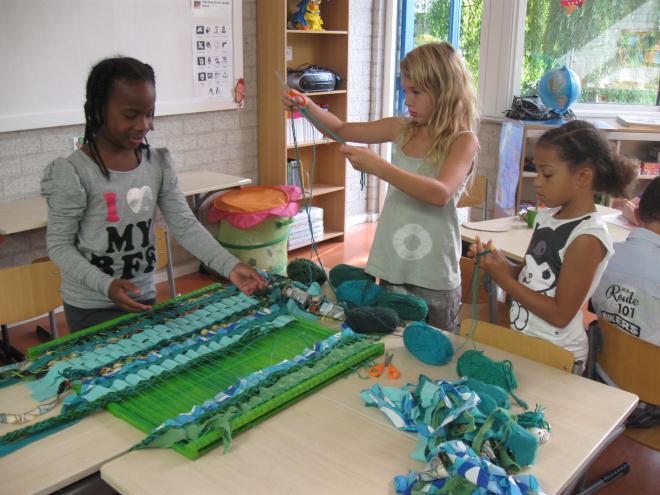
{"x": 613, "y": 46}
{"x": 433, "y": 22}
{"x": 513, "y": 43}
{"x": 455, "y": 21}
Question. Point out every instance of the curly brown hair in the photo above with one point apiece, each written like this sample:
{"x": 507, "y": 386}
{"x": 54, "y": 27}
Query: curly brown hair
{"x": 580, "y": 143}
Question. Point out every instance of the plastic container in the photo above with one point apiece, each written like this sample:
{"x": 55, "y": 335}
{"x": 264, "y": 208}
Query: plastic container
{"x": 262, "y": 246}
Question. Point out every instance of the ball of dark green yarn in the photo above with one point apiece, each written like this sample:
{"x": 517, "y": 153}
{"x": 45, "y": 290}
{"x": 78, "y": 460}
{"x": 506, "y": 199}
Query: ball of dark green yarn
{"x": 342, "y": 273}
{"x": 372, "y": 319}
{"x": 407, "y": 306}
{"x": 358, "y": 292}
{"x": 305, "y": 272}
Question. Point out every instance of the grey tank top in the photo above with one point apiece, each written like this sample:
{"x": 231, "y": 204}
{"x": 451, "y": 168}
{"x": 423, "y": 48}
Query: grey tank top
{"x": 416, "y": 243}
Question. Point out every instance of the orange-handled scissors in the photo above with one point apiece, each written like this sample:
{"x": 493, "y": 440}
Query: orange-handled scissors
{"x": 392, "y": 372}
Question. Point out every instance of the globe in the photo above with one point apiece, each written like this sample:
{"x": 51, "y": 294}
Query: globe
{"x": 559, "y": 89}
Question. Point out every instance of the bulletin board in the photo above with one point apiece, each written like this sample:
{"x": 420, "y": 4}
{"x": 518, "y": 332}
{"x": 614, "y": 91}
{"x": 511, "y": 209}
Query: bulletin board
{"x": 49, "y": 46}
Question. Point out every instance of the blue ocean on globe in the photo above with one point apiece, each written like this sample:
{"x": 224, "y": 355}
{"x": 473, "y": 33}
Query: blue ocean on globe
{"x": 559, "y": 89}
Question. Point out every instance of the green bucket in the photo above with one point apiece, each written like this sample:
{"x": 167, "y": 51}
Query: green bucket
{"x": 262, "y": 246}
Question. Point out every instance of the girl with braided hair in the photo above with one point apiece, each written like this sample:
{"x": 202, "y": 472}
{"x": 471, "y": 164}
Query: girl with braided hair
{"x": 570, "y": 246}
{"x": 103, "y": 197}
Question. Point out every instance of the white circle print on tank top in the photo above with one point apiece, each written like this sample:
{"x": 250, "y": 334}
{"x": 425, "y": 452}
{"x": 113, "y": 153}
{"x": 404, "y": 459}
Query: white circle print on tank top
{"x": 412, "y": 242}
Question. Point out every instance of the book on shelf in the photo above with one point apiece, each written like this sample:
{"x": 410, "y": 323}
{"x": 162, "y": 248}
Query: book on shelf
{"x": 294, "y": 171}
{"x": 639, "y": 121}
{"x": 300, "y": 234}
{"x": 304, "y": 131}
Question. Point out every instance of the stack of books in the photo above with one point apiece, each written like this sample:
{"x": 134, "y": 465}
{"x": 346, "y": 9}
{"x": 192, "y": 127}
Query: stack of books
{"x": 305, "y": 132}
{"x": 300, "y": 234}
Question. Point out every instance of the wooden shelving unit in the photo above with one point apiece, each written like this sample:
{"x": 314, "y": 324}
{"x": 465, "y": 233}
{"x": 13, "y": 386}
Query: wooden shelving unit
{"x": 628, "y": 141}
{"x": 321, "y": 160}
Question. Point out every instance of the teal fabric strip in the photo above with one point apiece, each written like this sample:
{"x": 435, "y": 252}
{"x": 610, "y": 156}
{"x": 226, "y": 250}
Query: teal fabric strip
{"x": 12, "y": 447}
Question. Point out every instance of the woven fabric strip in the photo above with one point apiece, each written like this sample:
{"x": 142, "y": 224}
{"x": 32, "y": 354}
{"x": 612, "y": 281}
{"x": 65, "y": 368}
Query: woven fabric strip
{"x": 82, "y": 362}
{"x": 77, "y": 407}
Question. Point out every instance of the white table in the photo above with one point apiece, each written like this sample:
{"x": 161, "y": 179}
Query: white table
{"x": 32, "y": 213}
{"x": 26, "y": 214}
{"x": 514, "y": 241}
{"x": 65, "y": 457}
{"x": 331, "y": 443}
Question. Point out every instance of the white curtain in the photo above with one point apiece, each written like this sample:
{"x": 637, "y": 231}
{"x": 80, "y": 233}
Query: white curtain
{"x": 378, "y": 22}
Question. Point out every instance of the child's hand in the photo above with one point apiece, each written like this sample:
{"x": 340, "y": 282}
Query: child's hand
{"x": 292, "y": 99}
{"x": 119, "y": 294}
{"x": 363, "y": 159}
{"x": 247, "y": 279}
{"x": 493, "y": 263}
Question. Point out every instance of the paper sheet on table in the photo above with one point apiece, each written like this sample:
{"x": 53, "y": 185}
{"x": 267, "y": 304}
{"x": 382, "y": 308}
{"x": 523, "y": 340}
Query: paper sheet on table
{"x": 618, "y": 219}
{"x": 496, "y": 225}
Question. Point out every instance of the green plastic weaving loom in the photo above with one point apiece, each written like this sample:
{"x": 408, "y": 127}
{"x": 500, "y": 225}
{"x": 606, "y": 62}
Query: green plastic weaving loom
{"x": 199, "y": 369}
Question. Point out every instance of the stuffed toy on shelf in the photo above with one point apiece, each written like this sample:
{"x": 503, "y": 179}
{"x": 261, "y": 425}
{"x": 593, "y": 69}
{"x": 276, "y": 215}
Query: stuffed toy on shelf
{"x": 307, "y": 17}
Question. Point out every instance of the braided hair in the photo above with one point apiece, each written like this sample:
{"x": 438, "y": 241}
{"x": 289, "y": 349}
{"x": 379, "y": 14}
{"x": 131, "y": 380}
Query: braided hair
{"x": 100, "y": 85}
{"x": 579, "y": 143}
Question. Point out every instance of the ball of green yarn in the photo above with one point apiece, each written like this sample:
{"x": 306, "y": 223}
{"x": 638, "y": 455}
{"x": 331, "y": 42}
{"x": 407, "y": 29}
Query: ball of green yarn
{"x": 428, "y": 344}
{"x": 358, "y": 292}
{"x": 342, "y": 272}
{"x": 305, "y": 271}
{"x": 475, "y": 364}
{"x": 407, "y": 306}
{"x": 371, "y": 319}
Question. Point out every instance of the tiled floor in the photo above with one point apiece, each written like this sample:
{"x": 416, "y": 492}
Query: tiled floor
{"x": 644, "y": 475}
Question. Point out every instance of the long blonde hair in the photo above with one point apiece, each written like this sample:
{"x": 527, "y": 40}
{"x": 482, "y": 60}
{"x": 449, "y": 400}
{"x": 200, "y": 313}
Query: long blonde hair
{"x": 437, "y": 69}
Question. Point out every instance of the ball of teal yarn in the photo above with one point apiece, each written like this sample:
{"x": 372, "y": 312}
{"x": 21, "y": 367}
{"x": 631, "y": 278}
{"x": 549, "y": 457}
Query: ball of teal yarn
{"x": 305, "y": 271}
{"x": 372, "y": 319}
{"x": 408, "y": 306}
{"x": 358, "y": 292}
{"x": 342, "y": 272}
{"x": 427, "y": 344}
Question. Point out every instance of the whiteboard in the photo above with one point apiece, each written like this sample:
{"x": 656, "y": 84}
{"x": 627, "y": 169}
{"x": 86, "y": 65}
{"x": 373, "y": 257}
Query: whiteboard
{"x": 47, "y": 48}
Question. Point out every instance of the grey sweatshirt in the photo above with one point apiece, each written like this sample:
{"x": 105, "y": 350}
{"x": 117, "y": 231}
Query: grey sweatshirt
{"x": 100, "y": 229}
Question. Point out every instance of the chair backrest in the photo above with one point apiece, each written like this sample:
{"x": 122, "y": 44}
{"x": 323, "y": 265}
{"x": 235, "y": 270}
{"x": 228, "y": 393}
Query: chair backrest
{"x": 31, "y": 290}
{"x": 467, "y": 272}
{"x": 475, "y": 194}
{"x": 630, "y": 362}
{"x": 515, "y": 342}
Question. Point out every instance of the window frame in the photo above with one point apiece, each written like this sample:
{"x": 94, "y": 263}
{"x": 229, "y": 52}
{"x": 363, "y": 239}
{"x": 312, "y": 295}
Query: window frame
{"x": 500, "y": 64}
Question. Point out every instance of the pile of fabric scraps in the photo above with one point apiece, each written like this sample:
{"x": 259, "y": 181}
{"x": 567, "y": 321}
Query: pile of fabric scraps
{"x": 456, "y": 469}
{"x": 446, "y": 415}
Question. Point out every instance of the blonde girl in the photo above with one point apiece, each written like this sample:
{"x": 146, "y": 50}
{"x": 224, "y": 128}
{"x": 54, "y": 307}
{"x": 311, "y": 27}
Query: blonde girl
{"x": 417, "y": 246}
